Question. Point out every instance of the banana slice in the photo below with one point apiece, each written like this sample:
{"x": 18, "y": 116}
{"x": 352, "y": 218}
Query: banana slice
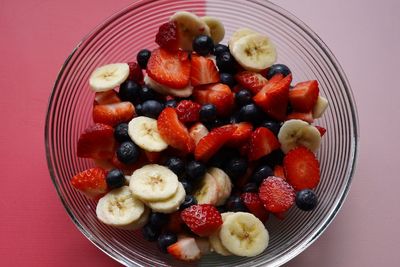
{"x": 254, "y": 52}
{"x": 165, "y": 90}
{"x": 215, "y": 241}
{"x": 171, "y": 204}
{"x": 294, "y": 133}
{"x": 189, "y": 26}
{"x": 243, "y": 234}
{"x": 144, "y": 132}
{"x": 207, "y": 192}
{"x": 320, "y": 107}
{"x": 238, "y": 34}
{"x": 217, "y": 29}
{"x": 153, "y": 182}
{"x": 198, "y": 131}
{"x": 120, "y": 208}
{"x": 108, "y": 77}
{"x": 224, "y": 184}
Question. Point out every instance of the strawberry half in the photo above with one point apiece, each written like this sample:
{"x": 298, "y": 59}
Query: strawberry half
{"x": 173, "y": 132}
{"x": 169, "y": 69}
{"x": 152, "y": 157}
{"x": 97, "y": 142}
{"x": 302, "y": 168}
{"x": 241, "y": 134}
{"x": 135, "y": 72}
{"x": 175, "y": 223}
{"x": 279, "y": 171}
{"x": 217, "y": 94}
{"x": 262, "y": 142}
{"x": 252, "y": 81}
{"x": 276, "y": 194}
{"x": 203, "y": 71}
{"x": 113, "y": 114}
{"x": 188, "y": 111}
{"x": 307, "y": 117}
{"x": 304, "y": 96}
{"x": 168, "y": 36}
{"x": 254, "y": 205}
{"x": 202, "y": 219}
{"x": 321, "y": 130}
{"x": 91, "y": 182}
{"x": 105, "y": 98}
{"x": 186, "y": 249}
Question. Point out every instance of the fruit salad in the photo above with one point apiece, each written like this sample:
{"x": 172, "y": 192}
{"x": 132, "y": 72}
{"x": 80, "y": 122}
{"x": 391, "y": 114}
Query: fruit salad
{"x": 197, "y": 143}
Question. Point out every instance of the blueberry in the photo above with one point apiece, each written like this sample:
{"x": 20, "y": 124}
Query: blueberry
{"x": 250, "y": 113}
{"x": 138, "y": 109}
{"x": 251, "y": 188}
{"x": 143, "y": 57}
{"x": 236, "y": 167}
{"x": 219, "y": 49}
{"x": 165, "y": 240}
{"x": 215, "y": 123}
{"x": 208, "y": 113}
{"x": 129, "y": 91}
{"x": 150, "y": 233}
{"x": 147, "y": 93}
{"x": 115, "y": 178}
{"x": 235, "y": 118}
{"x": 176, "y": 165}
{"x": 261, "y": 173}
{"x": 235, "y": 204}
{"x": 272, "y": 125}
{"x": 274, "y": 158}
{"x": 189, "y": 201}
{"x": 226, "y": 62}
{"x": 151, "y": 108}
{"x": 187, "y": 186}
{"x": 203, "y": 45}
{"x": 221, "y": 158}
{"x": 121, "y": 133}
{"x": 195, "y": 170}
{"x": 243, "y": 97}
{"x": 276, "y": 69}
{"x": 171, "y": 103}
{"x": 306, "y": 200}
{"x": 227, "y": 78}
{"x": 128, "y": 152}
{"x": 157, "y": 220}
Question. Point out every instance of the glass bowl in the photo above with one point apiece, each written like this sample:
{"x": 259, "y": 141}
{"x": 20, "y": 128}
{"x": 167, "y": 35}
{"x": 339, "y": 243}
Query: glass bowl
{"x": 118, "y": 39}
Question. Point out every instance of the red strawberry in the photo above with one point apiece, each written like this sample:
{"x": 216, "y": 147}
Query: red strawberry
{"x": 152, "y": 157}
{"x": 308, "y": 117}
{"x": 202, "y": 219}
{"x": 218, "y": 94}
{"x": 241, "y": 135}
{"x": 168, "y": 36}
{"x": 274, "y": 98}
{"x": 105, "y": 98}
{"x": 203, "y": 71}
{"x": 302, "y": 168}
{"x": 173, "y": 131}
{"x": 175, "y": 223}
{"x": 213, "y": 141}
{"x": 252, "y": 81}
{"x": 279, "y": 171}
{"x": 113, "y": 114}
{"x": 254, "y": 205}
{"x": 188, "y": 111}
{"x": 91, "y": 182}
{"x": 186, "y": 249}
{"x": 169, "y": 69}
{"x": 304, "y": 96}
{"x": 262, "y": 142}
{"x": 135, "y": 72}
{"x": 321, "y": 130}
{"x": 97, "y": 142}
{"x": 276, "y": 194}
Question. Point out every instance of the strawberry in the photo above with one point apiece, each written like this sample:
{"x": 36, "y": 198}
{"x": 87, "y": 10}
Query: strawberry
{"x": 168, "y": 36}
{"x": 279, "y": 171}
{"x": 202, "y": 219}
{"x": 307, "y": 117}
{"x": 97, "y": 142}
{"x": 91, "y": 182}
{"x": 321, "y": 130}
{"x": 304, "y": 96}
{"x": 276, "y": 194}
{"x": 254, "y": 205}
{"x": 113, "y": 114}
{"x": 213, "y": 141}
{"x": 169, "y": 69}
{"x": 135, "y": 72}
{"x": 105, "y": 98}
{"x": 173, "y": 131}
{"x": 274, "y": 97}
{"x": 186, "y": 249}
{"x": 152, "y": 157}
{"x": 252, "y": 81}
{"x": 188, "y": 111}
{"x": 262, "y": 142}
{"x": 175, "y": 223}
{"x": 241, "y": 135}
{"x": 203, "y": 71}
{"x": 218, "y": 94}
{"x": 302, "y": 168}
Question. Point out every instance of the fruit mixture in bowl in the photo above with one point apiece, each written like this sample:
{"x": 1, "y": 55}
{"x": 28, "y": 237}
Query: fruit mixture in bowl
{"x": 197, "y": 143}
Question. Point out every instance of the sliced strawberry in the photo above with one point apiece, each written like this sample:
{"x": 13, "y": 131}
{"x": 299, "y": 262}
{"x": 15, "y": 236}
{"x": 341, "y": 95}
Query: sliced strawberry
{"x": 254, "y": 205}
{"x": 198, "y": 131}
{"x": 252, "y": 81}
{"x": 203, "y": 71}
{"x": 304, "y": 96}
{"x": 168, "y": 36}
{"x": 173, "y": 131}
{"x": 185, "y": 249}
{"x": 169, "y": 69}
{"x": 97, "y": 142}
{"x": 152, "y": 157}
{"x": 241, "y": 135}
{"x": 175, "y": 223}
{"x": 321, "y": 130}
{"x": 302, "y": 168}
{"x": 213, "y": 141}
{"x": 105, "y": 98}
{"x": 135, "y": 72}
{"x": 91, "y": 182}
{"x": 202, "y": 219}
{"x": 113, "y": 114}
{"x": 279, "y": 171}
{"x": 188, "y": 111}
{"x": 218, "y": 94}
{"x": 262, "y": 142}
{"x": 276, "y": 194}
{"x": 308, "y": 117}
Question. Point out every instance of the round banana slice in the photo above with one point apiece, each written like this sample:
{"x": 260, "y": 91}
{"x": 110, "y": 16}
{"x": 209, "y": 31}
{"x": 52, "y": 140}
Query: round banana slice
{"x": 144, "y": 132}
{"x": 217, "y": 29}
{"x": 238, "y": 34}
{"x": 165, "y": 90}
{"x": 119, "y": 208}
{"x": 171, "y": 204}
{"x": 320, "y": 107}
{"x": 215, "y": 241}
{"x": 243, "y": 234}
{"x": 294, "y": 133}
{"x": 208, "y": 191}
{"x": 139, "y": 223}
{"x": 254, "y": 52}
{"x": 224, "y": 184}
{"x": 108, "y": 77}
{"x": 153, "y": 182}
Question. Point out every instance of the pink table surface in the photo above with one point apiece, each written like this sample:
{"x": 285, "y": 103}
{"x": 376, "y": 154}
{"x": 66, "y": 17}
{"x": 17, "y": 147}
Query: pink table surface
{"x": 36, "y": 37}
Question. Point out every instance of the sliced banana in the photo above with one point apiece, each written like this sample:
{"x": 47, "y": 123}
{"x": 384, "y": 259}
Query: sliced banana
{"x": 224, "y": 184}
{"x": 108, "y": 77}
{"x": 320, "y": 107}
{"x": 120, "y": 208}
{"x": 215, "y": 241}
{"x": 238, "y": 34}
{"x": 243, "y": 234}
{"x": 217, "y": 29}
{"x": 254, "y": 52}
{"x": 294, "y": 133}
{"x": 153, "y": 182}
{"x": 198, "y": 131}
{"x": 207, "y": 192}
{"x": 144, "y": 132}
{"x": 165, "y": 90}
{"x": 171, "y": 204}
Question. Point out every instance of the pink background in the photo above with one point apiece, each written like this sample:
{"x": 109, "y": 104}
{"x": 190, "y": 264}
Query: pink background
{"x": 37, "y": 36}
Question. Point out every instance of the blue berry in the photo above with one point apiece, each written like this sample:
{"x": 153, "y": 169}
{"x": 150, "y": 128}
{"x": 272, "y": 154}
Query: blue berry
{"x": 187, "y": 186}
{"x": 157, "y": 220}
{"x": 143, "y": 57}
{"x": 278, "y": 68}
{"x": 175, "y": 164}
{"x": 306, "y": 200}
{"x": 274, "y": 158}
{"x": 208, "y": 113}
{"x": 250, "y": 188}
{"x": 121, "y": 133}
{"x": 150, "y": 233}
{"x": 195, "y": 170}
{"x": 261, "y": 173}
{"x": 226, "y": 62}
{"x": 235, "y": 204}
{"x": 236, "y": 167}
{"x": 115, "y": 178}
{"x": 147, "y": 93}
{"x": 189, "y": 201}
{"x": 165, "y": 240}
{"x": 128, "y": 152}
{"x": 171, "y": 103}
{"x": 151, "y": 108}
{"x": 272, "y": 125}
{"x": 235, "y": 118}
{"x": 243, "y": 97}
{"x": 129, "y": 91}
{"x": 227, "y": 78}
{"x": 203, "y": 45}
{"x": 221, "y": 158}
{"x": 219, "y": 49}
{"x": 250, "y": 113}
